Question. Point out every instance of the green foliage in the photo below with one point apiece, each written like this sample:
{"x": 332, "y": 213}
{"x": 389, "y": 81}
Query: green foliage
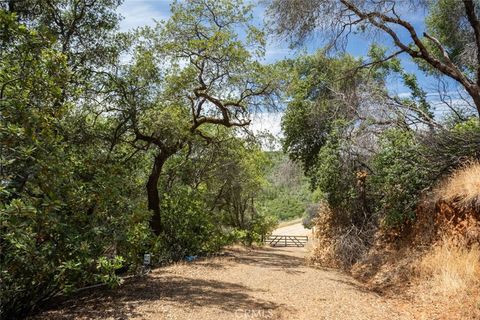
{"x": 191, "y": 228}
{"x": 335, "y": 180}
{"x": 322, "y": 109}
{"x": 303, "y": 144}
{"x": 407, "y": 164}
{"x": 189, "y": 78}
{"x": 285, "y": 206}
{"x": 52, "y": 243}
{"x": 286, "y": 193}
{"x": 328, "y": 173}
{"x": 73, "y": 170}
{"x": 73, "y": 205}
{"x": 210, "y": 197}
{"x": 367, "y": 168}
{"x": 107, "y": 268}
{"x": 314, "y": 107}
{"x": 449, "y": 148}
{"x": 400, "y": 176}
{"x": 261, "y": 226}
{"x": 66, "y": 205}
{"x": 470, "y": 126}
{"x": 446, "y": 22}
{"x": 372, "y": 156}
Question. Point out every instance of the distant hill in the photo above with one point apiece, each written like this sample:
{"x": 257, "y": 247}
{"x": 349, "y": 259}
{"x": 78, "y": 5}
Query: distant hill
{"x": 287, "y": 194}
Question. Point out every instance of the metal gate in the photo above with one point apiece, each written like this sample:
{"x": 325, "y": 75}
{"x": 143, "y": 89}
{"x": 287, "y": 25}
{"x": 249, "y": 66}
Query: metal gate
{"x": 286, "y": 241}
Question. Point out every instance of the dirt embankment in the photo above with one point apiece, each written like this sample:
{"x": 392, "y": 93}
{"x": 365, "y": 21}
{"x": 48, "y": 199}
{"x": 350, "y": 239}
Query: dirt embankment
{"x": 434, "y": 261}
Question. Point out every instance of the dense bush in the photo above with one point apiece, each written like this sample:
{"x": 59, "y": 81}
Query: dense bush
{"x": 408, "y": 163}
{"x": 369, "y": 157}
{"x": 399, "y": 177}
{"x": 190, "y": 228}
{"x": 74, "y": 161}
{"x": 67, "y": 227}
{"x": 449, "y": 148}
{"x": 69, "y": 213}
{"x": 335, "y": 178}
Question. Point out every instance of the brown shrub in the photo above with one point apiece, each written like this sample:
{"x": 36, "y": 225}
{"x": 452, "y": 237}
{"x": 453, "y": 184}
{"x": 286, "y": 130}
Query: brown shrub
{"x": 450, "y": 268}
{"x": 337, "y": 245}
{"x": 449, "y": 212}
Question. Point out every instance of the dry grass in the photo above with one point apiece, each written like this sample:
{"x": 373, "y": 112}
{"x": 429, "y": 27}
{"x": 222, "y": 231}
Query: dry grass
{"x": 463, "y": 186}
{"x": 450, "y": 267}
{"x": 458, "y": 205}
{"x": 449, "y": 272}
{"x": 448, "y": 281}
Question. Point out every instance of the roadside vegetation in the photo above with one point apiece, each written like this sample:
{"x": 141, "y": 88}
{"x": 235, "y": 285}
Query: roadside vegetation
{"x": 116, "y": 144}
{"x": 397, "y": 176}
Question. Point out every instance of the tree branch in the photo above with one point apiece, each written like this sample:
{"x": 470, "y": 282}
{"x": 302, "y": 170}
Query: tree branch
{"x": 475, "y": 23}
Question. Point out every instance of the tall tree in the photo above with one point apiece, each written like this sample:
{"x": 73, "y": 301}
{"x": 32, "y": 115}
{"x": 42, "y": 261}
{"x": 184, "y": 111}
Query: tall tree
{"x": 64, "y": 203}
{"x": 193, "y": 71}
{"x": 453, "y": 31}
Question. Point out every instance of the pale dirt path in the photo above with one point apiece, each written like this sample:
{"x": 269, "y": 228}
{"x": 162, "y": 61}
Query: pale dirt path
{"x": 265, "y": 283}
{"x": 293, "y": 230}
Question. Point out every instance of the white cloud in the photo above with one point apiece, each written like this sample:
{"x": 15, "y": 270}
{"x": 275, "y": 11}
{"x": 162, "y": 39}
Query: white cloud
{"x": 267, "y": 121}
{"x": 137, "y": 13}
{"x": 275, "y": 52}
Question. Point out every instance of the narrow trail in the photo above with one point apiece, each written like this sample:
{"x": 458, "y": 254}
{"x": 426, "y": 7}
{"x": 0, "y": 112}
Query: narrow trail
{"x": 266, "y": 283}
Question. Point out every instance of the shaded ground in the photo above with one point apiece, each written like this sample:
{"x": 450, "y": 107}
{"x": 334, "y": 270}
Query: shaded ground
{"x": 266, "y": 283}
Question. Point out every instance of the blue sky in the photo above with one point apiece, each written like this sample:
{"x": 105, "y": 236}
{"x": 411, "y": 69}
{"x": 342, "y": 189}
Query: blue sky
{"x": 143, "y": 12}
{"x": 138, "y": 13}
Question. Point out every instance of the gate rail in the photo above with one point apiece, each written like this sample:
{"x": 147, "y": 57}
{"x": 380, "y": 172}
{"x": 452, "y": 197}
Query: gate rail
{"x": 286, "y": 241}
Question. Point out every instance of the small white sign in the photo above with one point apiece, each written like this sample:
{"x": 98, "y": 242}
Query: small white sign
{"x": 146, "y": 259}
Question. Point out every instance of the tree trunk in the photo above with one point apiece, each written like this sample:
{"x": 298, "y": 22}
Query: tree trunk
{"x": 152, "y": 193}
{"x": 475, "y": 93}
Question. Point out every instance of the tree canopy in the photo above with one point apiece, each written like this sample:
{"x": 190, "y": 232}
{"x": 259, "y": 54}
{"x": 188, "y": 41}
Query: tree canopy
{"x": 450, "y": 46}
{"x": 90, "y": 116}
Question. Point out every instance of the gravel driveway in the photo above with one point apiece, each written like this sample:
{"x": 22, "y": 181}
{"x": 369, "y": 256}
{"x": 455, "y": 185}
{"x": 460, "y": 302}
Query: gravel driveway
{"x": 265, "y": 283}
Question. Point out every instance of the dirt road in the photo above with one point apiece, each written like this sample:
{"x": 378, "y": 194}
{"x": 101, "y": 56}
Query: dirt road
{"x": 266, "y": 283}
{"x": 296, "y": 229}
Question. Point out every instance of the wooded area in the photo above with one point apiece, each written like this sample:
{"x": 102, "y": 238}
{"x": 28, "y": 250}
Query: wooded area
{"x": 115, "y": 144}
